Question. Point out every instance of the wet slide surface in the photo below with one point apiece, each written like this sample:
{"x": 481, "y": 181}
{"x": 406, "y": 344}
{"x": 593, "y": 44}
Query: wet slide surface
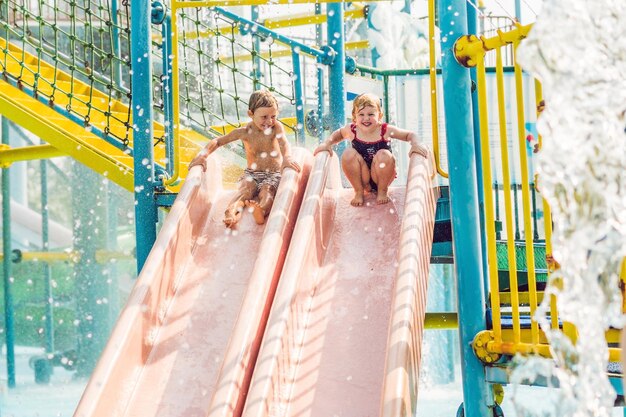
{"x": 180, "y": 373}
{"x": 344, "y": 334}
{"x": 186, "y": 342}
{"x": 345, "y": 340}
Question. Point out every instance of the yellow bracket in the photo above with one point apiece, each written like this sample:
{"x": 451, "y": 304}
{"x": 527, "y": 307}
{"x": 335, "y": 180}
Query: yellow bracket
{"x": 479, "y": 345}
{"x": 3, "y": 148}
{"x": 469, "y": 49}
{"x": 498, "y": 393}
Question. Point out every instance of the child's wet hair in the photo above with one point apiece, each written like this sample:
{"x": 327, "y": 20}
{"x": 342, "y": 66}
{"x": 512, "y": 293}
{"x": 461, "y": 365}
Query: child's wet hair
{"x": 262, "y": 98}
{"x": 364, "y": 100}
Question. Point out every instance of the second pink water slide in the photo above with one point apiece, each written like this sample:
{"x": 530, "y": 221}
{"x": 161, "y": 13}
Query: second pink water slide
{"x": 186, "y": 342}
{"x": 345, "y": 330}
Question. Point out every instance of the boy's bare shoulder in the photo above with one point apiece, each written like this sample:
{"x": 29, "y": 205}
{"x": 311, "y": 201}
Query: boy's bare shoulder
{"x": 243, "y": 130}
{"x": 279, "y": 130}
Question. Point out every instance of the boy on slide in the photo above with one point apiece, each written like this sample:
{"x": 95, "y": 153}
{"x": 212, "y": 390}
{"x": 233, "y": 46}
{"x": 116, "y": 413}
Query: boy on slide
{"x": 267, "y": 154}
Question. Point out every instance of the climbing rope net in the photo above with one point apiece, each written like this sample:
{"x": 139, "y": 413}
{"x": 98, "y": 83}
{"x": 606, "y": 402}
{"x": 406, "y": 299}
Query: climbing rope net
{"x": 75, "y": 55}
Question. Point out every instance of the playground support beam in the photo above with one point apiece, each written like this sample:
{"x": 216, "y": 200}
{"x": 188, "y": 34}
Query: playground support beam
{"x": 337, "y": 90}
{"x": 227, "y": 3}
{"x": 472, "y": 27}
{"x": 146, "y": 215}
{"x": 89, "y": 215}
{"x": 9, "y": 312}
{"x": 27, "y": 153}
{"x": 45, "y": 268}
{"x": 464, "y": 207}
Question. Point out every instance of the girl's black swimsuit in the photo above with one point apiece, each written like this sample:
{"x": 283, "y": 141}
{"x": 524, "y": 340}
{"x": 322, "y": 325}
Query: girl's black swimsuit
{"x": 368, "y": 149}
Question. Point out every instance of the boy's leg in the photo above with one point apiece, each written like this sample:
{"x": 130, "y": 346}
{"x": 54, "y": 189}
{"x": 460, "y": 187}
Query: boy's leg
{"x": 357, "y": 173}
{"x": 383, "y": 174}
{"x": 246, "y": 191}
{"x": 261, "y": 209}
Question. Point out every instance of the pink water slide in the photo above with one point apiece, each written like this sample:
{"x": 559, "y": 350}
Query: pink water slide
{"x": 186, "y": 342}
{"x": 345, "y": 331}
{"x": 211, "y": 330}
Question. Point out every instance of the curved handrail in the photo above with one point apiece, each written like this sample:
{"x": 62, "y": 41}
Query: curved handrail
{"x": 406, "y": 325}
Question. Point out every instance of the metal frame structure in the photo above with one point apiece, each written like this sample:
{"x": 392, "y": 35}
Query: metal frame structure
{"x": 472, "y": 216}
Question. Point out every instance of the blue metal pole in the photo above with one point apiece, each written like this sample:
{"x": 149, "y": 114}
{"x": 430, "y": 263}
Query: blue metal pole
{"x": 472, "y": 24}
{"x": 375, "y": 54}
{"x": 256, "y": 61}
{"x": 168, "y": 105}
{"x": 9, "y": 310}
{"x": 88, "y": 205}
{"x": 337, "y": 69}
{"x": 111, "y": 245}
{"x": 466, "y": 225}
{"x": 297, "y": 87}
{"x": 117, "y": 65}
{"x": 146, "y": 214}
{"x": 45, "y": 246}
{"x": 320, "y": 77}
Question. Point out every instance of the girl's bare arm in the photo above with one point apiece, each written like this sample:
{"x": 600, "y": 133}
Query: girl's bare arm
{"x": 407, "y": 136}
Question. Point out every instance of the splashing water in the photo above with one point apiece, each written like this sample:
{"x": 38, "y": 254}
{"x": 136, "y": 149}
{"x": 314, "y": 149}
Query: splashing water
{"x": 582, "y": 168}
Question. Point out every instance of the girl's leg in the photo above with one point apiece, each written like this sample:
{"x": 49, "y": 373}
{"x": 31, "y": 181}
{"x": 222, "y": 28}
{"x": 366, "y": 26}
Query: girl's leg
{"x": 261, "y": 209}
{"x": 357, "y": 173}
{"x": 246, "y": 191}
{"x": 383, "y": 173}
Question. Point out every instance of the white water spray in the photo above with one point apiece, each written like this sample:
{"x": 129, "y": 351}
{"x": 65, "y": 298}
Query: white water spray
{"x": 577, "y": 49}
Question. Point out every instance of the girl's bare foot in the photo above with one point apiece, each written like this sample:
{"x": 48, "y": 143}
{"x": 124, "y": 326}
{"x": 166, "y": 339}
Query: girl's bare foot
{"x": 257, "y": 212}
{"x": 232, "y": 216}
{"x": 358, "y": 199}
{"x": 382, "y": 197}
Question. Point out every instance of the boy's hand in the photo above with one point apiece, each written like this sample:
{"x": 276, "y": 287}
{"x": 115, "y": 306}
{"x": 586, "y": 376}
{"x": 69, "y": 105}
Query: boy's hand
{"x": 324, "y": 147}
{"x": 420, "y": 150}
{"x": 200, "y": 159}
{"x": 290, "y": 163}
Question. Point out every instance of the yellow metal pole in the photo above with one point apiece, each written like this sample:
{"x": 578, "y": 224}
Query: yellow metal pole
{"x": 102, "y": 256}
{"x": 276, "y": 23}
{"x": 45, "y": 257}
{"x": 492, "y": 257}
{"x": 508, "y": 205}
{"x": 27, "y": 153}
{"x": 283, "y": 53}
{"x": 441, "y": 321}
{"x": 547, "y": 215}
{"x": 225, "y": 3}
{"x": 310, "y": 19}
{"x": 432, "y": 63}
{"x": 528, "y": 229}
{"x": 175, "y": 97}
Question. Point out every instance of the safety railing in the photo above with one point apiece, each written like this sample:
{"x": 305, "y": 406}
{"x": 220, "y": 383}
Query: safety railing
{"x": 433, "y": 89}
{"x": 222, "y": 57}
{"x": 423, "y": 86}
{"x": 518, "y": 239}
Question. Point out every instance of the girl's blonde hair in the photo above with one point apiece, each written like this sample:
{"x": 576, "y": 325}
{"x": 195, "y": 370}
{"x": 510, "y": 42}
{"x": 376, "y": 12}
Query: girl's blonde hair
{"x": 262, "y": 98}
{"x": 364, "y": 100}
